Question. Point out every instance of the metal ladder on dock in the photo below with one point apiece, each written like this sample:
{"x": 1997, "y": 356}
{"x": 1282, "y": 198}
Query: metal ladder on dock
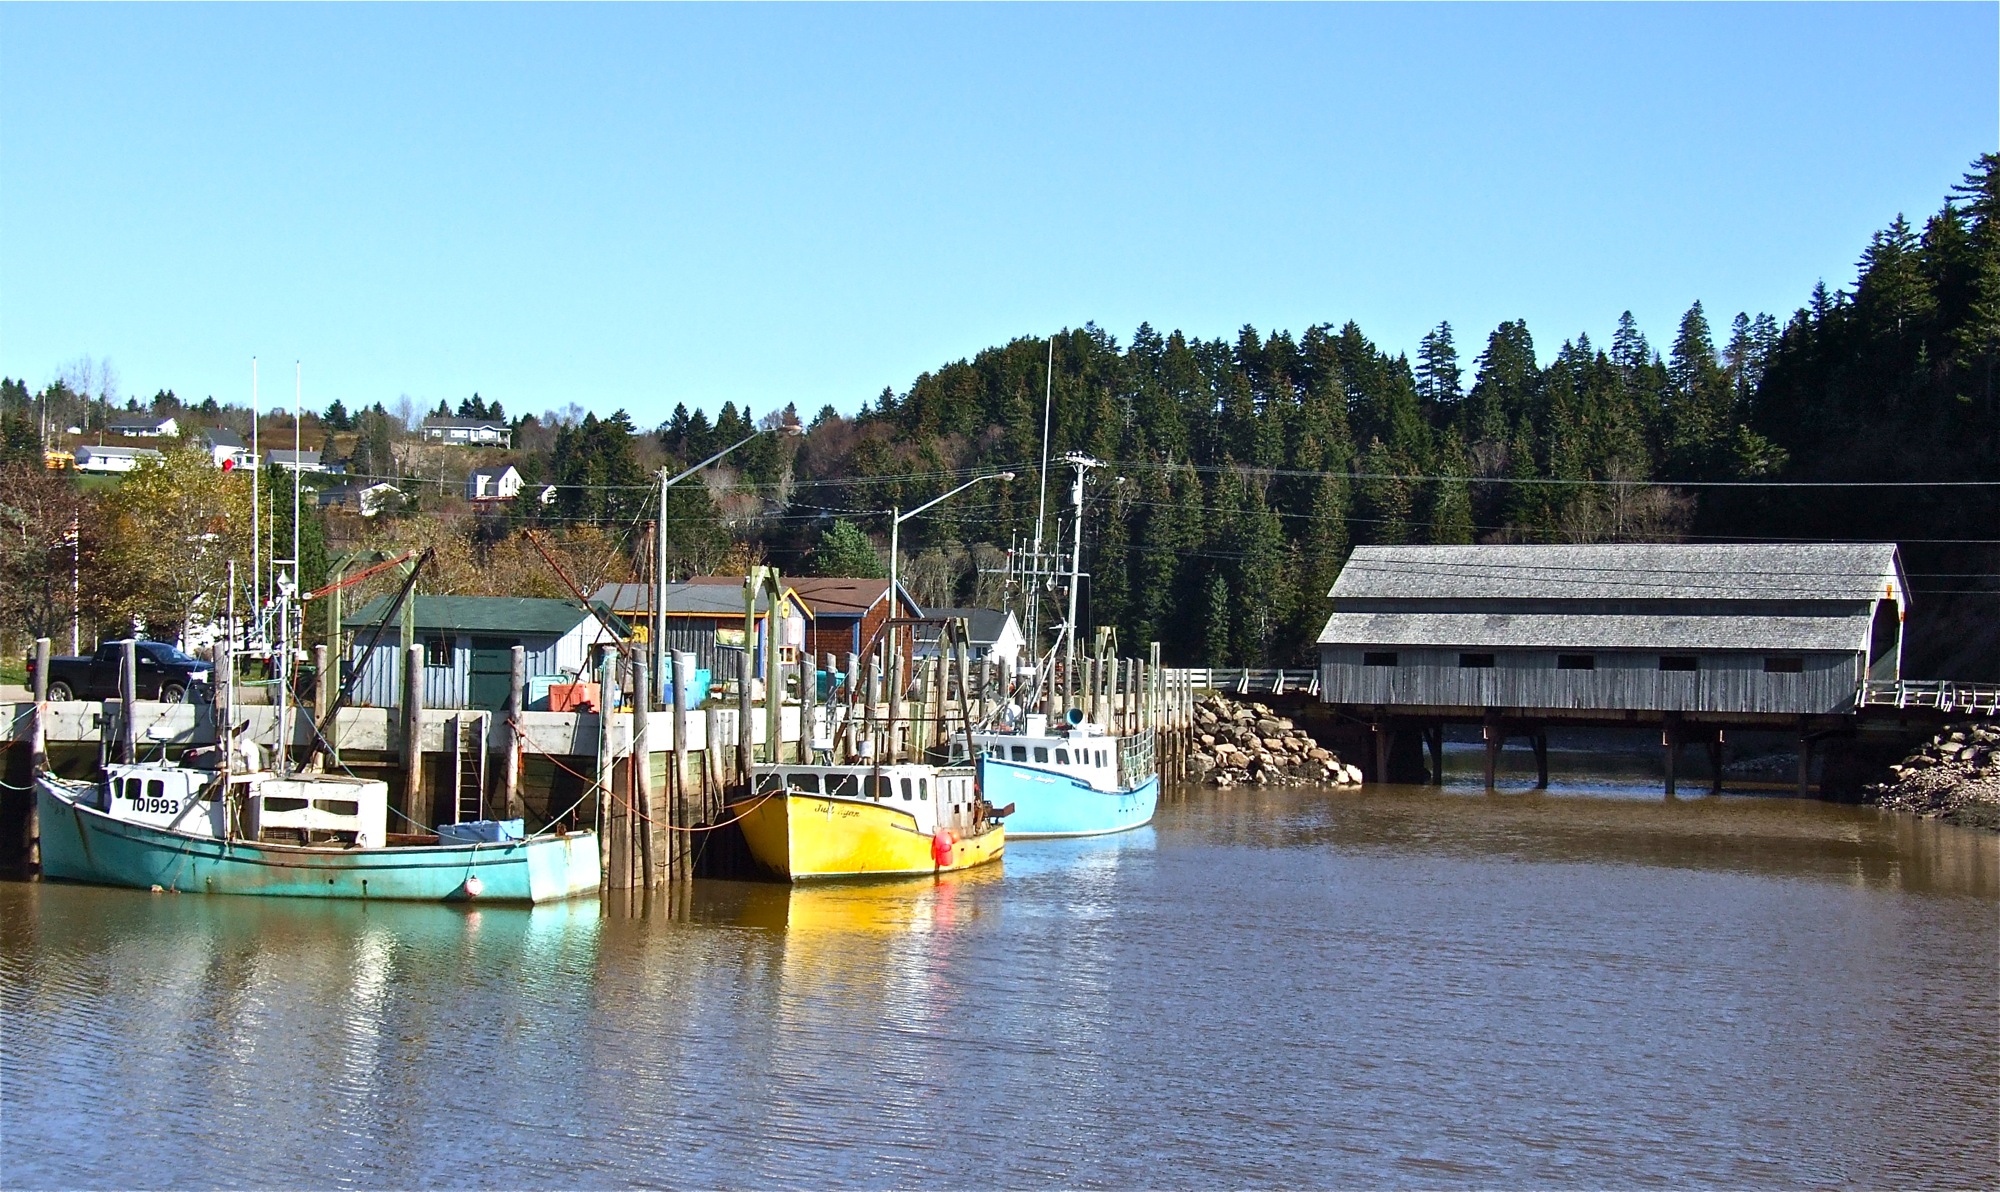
{"x": 468, "y": 773}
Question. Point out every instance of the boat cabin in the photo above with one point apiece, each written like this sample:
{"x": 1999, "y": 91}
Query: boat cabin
{"x": 1083, "y": 753}
{"x": 160, "y": 795}
{"x": 303, "y": 809}
{"x": 319, "y": 809}
{"x": 932, "y": 796}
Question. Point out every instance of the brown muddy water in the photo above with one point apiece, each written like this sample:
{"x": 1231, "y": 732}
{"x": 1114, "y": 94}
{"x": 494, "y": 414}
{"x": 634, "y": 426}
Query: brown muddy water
{"x": 1596, "y": 987}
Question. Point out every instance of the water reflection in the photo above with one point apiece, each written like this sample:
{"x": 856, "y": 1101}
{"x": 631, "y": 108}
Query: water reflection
{"x": 1302, "y": 987}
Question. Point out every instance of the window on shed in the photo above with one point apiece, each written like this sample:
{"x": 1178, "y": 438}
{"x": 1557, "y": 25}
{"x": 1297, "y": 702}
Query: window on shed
{"x": 1679, "y": 662}
{"x": 1379, "y": 658}
{"x": 1576, "y": 662}
{"x": 1475, "y": 662}
{"x": 1784, "y": 664}
{"x": 437, "y": 650}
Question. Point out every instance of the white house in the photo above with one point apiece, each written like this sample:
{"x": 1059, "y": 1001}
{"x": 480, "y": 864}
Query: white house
{"x": 469, "y": 432}
{"x": 144, "y": 426}
{"x": 225, "y": 446}
{"x": 994, "y": 633}
{"x": 493, "y": 484}
{"x": 112, "y": 459}
{"x": 367, "y": 501}
{"x": 295, "y": 461}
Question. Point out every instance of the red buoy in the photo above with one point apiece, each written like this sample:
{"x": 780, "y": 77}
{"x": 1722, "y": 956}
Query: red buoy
{"x": 941, "y": 842}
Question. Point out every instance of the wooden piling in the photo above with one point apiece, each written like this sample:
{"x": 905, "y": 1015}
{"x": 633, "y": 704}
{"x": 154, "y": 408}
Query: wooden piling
{"x": 1715, "y": 763}
{"x": 746, "y": 737}
{"x": 641, "y": 770}
{"x": 415, "y": 805}
{"x": 808, "y": 700}
{"x": 128, "y": 698}
{"x": 1541, "y": 744}
{"x": 608, "y": 857}
{"x": 38, "y": 730}
{"x": 856, "y": 701}
{"x": 510, "y": 765}
{"x": 678, "y": 853}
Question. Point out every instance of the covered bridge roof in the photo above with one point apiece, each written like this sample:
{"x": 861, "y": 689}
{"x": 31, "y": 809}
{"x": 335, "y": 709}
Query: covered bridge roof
{"x": 1628, "y": 571}
{"x": 1789, "y": 597}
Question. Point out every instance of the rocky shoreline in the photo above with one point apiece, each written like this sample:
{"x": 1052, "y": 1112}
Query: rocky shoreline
{"x": 1250, "y": 745}
{"x": 1955, "y": 777}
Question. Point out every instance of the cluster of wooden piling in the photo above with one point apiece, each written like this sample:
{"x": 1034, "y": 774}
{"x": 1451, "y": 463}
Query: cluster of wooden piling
{"x": 885, "y": 707}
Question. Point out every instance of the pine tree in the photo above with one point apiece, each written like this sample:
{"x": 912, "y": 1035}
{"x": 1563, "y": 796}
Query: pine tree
{"x": 1451, "y": 494}
{"x": 844, "y": 550}
{"x": 1215, "y": 621}
{"x": 1438, "y": 374}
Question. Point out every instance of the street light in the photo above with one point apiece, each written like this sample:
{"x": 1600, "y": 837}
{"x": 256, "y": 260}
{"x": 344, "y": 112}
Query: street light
{"x": 896, "y": 519}
{"x": 660, "y": 542}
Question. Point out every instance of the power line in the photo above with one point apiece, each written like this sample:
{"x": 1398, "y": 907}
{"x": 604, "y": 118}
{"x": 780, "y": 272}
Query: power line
{"x": 1247, "y": 470}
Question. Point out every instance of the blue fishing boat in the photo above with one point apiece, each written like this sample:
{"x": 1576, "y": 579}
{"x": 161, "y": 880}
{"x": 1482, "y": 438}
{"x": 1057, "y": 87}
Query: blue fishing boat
{"x": 1072, "y": 778}
{"x": 1074, "y": 782}
{"x": 171, "y": 827}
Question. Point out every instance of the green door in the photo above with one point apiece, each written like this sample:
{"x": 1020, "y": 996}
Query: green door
{"x": 492, "y": 672}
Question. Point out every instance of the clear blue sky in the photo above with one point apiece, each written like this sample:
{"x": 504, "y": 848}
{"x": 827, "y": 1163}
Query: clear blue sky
{"x": 633, "y": 206}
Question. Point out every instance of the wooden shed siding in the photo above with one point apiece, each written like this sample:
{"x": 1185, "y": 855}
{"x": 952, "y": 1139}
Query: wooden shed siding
{"x": 696, "y": 635}
{"x": 1726, "y": 681}
{"x": 381, "y": 683}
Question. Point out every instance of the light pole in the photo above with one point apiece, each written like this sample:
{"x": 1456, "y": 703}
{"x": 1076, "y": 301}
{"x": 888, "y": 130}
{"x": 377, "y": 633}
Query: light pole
{"x": 896, "y": 519}
{"x": 660, "y": 543}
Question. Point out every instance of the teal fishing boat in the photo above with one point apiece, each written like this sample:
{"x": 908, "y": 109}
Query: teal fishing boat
{"x": 171, "y": 827}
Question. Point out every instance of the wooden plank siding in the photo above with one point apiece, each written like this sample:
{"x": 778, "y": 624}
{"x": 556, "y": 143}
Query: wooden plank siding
{"x": 1725, "y": 681}
{"x": 381, "y": 682}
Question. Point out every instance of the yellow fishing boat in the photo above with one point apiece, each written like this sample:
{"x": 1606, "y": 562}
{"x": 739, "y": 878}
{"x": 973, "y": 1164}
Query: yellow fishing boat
{"x": 806, "y": 822}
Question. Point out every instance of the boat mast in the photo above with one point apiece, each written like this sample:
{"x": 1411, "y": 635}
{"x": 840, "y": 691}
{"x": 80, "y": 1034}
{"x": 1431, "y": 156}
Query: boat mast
{"x": 256, "y": 525}
{"x": 1033, "y": 603}
{"x": 225, "y": 663}
{"x": 1083, "y": 464}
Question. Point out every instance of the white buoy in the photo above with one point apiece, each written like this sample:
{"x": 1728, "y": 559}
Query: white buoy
{"x": 473, "y": 886}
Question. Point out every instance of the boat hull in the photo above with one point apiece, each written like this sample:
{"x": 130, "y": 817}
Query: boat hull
{"x": 803, "y": 837}
{"x": 80, "y": 843}
{"x": 1051, "y": 804}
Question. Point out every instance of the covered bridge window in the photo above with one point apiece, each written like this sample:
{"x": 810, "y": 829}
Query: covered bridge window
{"x": 1679, "y": 662}
{"x": 1378, "y": 658}
{"x": 1475, "y": 661}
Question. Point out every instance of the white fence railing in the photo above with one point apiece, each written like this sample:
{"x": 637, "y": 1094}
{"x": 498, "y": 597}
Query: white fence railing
{"x": 1971, "y": 699}
{"x": 1247, "y": 680}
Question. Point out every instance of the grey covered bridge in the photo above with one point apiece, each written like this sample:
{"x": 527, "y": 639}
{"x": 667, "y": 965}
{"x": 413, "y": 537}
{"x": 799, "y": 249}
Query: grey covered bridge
{"x": 1693, "y": 639}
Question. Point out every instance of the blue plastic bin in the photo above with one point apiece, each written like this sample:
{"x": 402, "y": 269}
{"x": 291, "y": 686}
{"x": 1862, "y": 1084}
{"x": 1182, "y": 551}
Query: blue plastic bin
{"x": 481, "y": 831}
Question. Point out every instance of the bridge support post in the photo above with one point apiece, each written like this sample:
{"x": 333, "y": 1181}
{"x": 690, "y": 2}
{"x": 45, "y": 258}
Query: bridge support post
{"x": 1434, "y": 743}
{"x": 1715, "y": 763}
{"x": 1805, "y": 757}
{"x": 1670, "y": 738}
{"x": 1383, "y": 739}
{"x": 1541, "y": 739}
{"x": 1495, "y": 736}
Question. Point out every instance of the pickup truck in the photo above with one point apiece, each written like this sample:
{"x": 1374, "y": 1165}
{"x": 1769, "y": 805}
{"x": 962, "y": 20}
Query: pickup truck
{"x": 164, "y": 674}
